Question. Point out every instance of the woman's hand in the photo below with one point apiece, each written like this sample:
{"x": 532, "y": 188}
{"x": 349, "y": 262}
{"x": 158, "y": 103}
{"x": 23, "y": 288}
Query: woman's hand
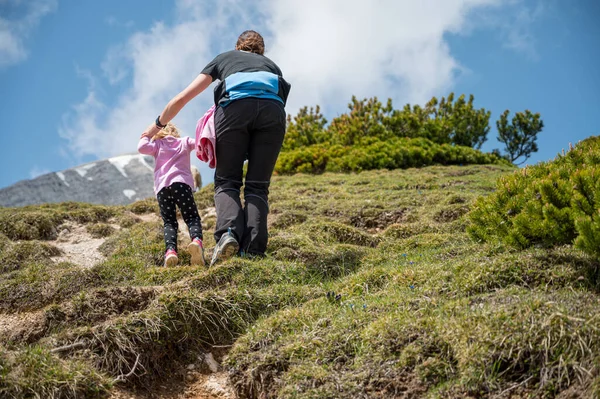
{"x": 150, "y": 131}
{"x": 201, "y": 82}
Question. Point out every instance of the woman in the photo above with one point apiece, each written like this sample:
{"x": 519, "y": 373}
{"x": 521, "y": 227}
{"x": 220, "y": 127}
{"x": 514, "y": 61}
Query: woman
{"x": 249, "y": 123}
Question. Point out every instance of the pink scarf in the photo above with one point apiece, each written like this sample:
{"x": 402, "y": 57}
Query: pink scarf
{"x": 205, "y": 138}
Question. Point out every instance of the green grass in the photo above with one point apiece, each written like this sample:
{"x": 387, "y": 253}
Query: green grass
{"x": 15, "y": 255}
{"x": 40, "y": 222}
{"x": 418, "y": 308}
{"x": 100, "y": 230}
{"x": 34, "y": 372}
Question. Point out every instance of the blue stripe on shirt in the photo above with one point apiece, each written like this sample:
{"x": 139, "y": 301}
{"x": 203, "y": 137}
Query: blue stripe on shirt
{"x": 259, "y": 84}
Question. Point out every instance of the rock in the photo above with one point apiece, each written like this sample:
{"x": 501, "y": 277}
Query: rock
{"x": 191, "y": 366}
{"x": 53, "y": 234}
{"x": 210, "y": 362}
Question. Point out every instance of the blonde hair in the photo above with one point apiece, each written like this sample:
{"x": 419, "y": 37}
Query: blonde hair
{"x": 169, "y": 130}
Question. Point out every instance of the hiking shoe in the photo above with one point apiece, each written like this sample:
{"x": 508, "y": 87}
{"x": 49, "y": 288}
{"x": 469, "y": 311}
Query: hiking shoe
{"x": 225, "y": 248}
{"x": 171, "y": 258}
{"x": 196, "y": 249}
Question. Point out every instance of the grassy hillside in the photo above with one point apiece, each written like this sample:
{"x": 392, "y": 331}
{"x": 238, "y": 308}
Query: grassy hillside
{"x": 372, "y": 289}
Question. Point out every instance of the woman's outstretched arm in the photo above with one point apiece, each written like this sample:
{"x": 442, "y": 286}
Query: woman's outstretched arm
{"x": 179, "y": 101}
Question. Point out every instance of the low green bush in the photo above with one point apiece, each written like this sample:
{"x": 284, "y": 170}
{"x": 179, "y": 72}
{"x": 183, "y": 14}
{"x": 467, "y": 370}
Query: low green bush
{"x": 373, "y": 153}
{"x": 551, "y": 203}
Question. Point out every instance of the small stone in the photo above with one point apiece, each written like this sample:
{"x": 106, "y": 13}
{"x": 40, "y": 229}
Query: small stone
{"x": 580, "y": 278}
{"x": 190, "y": 377}
{"x": 211, "y": 362}
{"x": 191, "y": 366}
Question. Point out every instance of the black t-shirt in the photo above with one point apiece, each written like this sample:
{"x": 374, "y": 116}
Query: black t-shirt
{"x": 234, "y": 61}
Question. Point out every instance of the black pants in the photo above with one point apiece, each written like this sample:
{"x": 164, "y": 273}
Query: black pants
{"x": 252, "y": 128}
{"x": 178, "y": 194}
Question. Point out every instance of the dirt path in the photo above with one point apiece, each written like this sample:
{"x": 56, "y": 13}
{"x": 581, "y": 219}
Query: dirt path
{"x": 209, "y": 387}
{"x": 203, "y": 380}
{"x": 78, "y": 246}
{"x": 212, "y": 386}
{"x": 149, "y": 217}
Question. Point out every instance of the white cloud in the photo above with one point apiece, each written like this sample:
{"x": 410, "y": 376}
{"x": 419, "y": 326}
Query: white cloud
{"x": 15, "y": 31}
{"x": 516, "y": 23}
{"x": 329, "y": 51}
{"x": 157, "y": 63}
{"x": 11, "y": 49}
{"x": 37, "y": 171}
{"x": 158, "y": 71}
{"x": 518, "y": 32}
{"x": 113, "y": 66}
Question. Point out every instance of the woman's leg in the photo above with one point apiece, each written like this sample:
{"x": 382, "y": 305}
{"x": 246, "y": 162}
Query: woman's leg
{"x": 266, "y": 138}
{"x": 231, "y": 127}
{"x": 166, "y": 203}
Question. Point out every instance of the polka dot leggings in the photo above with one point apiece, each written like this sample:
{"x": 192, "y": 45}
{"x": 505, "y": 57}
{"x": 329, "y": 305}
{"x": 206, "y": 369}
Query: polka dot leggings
{"x": 178, "y": 194}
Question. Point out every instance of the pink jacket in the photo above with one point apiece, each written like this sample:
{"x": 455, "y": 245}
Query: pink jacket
{"x": 172, "y": 160}
{"x": 206, "y": 139}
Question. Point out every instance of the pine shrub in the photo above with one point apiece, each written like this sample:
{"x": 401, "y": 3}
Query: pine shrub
{"x": 373, "y": 153}
{"x": 551, "y": 203}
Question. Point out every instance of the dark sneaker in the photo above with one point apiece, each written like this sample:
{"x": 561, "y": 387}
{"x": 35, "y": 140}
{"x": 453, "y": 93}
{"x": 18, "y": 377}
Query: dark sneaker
{"x": 171, "y": 258}
{"x": 225, "y": 248}
{"x": 196, "y": 249}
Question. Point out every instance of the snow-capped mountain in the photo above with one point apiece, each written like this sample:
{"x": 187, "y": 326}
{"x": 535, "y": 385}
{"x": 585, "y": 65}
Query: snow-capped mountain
{"x": 114, "y": 181}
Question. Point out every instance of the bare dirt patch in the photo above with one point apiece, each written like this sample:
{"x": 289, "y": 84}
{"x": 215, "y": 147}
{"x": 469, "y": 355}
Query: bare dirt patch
{"x": 203, "y": 379}
{"x": 149, "y": 217}
{"x": 78, "y": 245}
{"x": 450, "y": 214}
{"x": 212, "y": 386}
{"x": 381, "y": 220}
{"x": 22, "y": 327}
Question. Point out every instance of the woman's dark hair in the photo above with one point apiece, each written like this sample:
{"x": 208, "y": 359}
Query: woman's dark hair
{"x": 251, "y": 41}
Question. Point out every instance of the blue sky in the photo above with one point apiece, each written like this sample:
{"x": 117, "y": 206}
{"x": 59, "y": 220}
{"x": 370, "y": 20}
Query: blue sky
{"x": 81, "y": 80}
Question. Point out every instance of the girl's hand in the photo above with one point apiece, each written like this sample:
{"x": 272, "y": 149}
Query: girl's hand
{"x": 150, "y": 131}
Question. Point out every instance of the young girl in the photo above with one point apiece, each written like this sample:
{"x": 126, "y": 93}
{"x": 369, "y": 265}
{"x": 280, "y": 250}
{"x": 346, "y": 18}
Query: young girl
{"x": 173, "y": 182}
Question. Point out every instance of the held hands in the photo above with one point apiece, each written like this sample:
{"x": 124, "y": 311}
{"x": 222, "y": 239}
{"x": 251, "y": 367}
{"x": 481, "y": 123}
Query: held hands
{"x": 150, "y": 131}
